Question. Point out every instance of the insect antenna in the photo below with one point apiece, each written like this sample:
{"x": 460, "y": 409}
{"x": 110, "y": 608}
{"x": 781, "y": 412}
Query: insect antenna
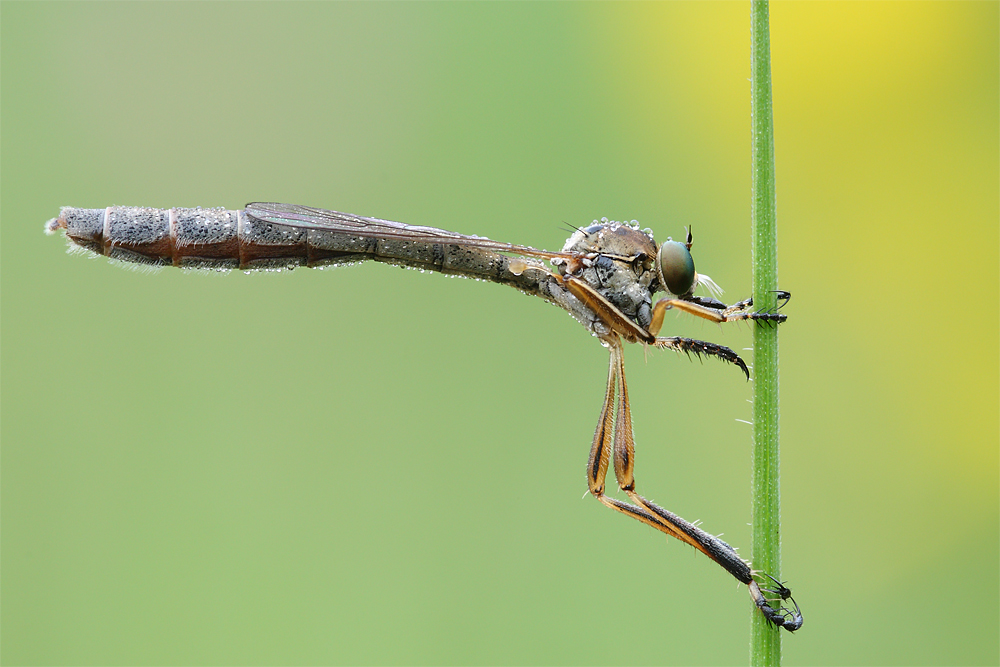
{"x": 571, "y": 228}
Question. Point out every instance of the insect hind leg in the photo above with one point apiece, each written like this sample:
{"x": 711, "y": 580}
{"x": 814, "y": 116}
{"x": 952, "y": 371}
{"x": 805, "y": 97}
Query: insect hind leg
{"x": 782, "y": 617}
{"x": 614, "y": 437}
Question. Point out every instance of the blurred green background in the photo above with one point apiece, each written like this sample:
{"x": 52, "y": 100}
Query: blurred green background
{"x": 368, "y": 465}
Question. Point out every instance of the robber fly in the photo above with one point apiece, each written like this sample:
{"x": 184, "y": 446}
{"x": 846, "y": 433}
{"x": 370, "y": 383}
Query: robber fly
{"x": 605, "y": 276}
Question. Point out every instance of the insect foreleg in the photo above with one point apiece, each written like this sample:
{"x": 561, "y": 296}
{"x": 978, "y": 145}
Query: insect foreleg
{"x": 733, "y": 313}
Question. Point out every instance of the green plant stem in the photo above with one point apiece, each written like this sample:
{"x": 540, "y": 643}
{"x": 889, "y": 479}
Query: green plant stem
{"x": 765, "y": 642}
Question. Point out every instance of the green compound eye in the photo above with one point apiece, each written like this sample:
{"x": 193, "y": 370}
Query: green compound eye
{"x": 677, "y": 267}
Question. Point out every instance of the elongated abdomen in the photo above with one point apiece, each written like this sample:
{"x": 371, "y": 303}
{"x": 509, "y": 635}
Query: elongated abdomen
{"x": 216, "y": 238}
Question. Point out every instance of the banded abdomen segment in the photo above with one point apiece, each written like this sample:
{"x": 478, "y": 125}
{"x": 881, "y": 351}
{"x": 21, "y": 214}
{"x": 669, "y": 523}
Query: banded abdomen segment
{"x": 185, "y": 237}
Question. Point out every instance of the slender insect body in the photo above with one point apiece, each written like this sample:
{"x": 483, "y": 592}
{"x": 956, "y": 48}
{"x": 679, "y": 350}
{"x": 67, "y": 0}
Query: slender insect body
{"x": 223, "y": 240}
{"x": 605, "y": 276}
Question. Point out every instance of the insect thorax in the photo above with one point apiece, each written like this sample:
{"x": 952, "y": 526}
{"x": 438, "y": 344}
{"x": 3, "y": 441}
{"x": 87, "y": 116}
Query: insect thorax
{"x": 618, "y": 260}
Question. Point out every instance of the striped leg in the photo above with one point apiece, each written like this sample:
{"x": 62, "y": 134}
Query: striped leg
{"x": 614, "y": 434}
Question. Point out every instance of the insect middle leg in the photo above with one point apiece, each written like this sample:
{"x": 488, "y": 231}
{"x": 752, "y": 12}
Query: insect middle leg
{"x": 614, "y": 437}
